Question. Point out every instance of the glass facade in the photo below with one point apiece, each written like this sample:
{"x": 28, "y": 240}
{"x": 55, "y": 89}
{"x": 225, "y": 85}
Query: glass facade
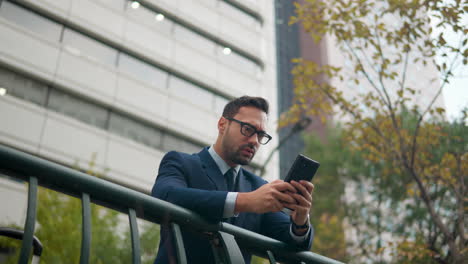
{"x": 22, "y": 87}
{"x": 82, "y": 45}
{"x": 89, "y": 47}
{"x": 287, "y": 48}
{"x": 142, "y": 71}
{"x": 101, "y": 50}
{"x": 31, "y": 21}
{"x": 92, "y": 114}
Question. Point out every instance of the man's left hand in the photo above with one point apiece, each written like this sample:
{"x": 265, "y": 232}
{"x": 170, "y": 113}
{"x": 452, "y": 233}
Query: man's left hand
{"x": 300, "y": 215}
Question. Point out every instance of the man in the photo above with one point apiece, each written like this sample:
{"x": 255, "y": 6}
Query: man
{"x": 213, "y": 184}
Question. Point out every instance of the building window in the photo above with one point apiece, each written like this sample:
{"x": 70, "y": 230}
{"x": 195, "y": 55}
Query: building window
{"x": 88, "y": 47}
{"x": 31, "y": 21}
{"x": 153, "y": 19}
{"x": 90, "y": 113}
{"x": 116, "y": 4}
{"x": 171, "y": 142}
{"x": 134, "y": 130}
{"x": 187, "y": 90}
{"x": 239, "y": 15}
{"x": 219, "y": 104}
{"x": 77, "y": 108}
{"x": 238, "y": 62}
{"x": 143, "y": 71}
{"x": 194, "y": 40}
{"x": 21, "y": 87}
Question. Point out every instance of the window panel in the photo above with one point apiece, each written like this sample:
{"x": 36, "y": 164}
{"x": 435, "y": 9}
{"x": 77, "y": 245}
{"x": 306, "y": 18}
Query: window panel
{"x": 239, "y": 62}
{"x": 210, "y": 3}
{"x": 116, "y": 4}
{"x": 198, "y": 95}
{"x": 90, "y": 47}
{"x": 151, "y": 18}
{"x": 143, "y": 71}
{"x": 220, "y": 103}
{"x": 135, "y": 130}
{"x": 193, "y": 39}
{"x": 169, "y": 142}
{"x": 22, "y": 87}
{"x": 77, "y": 108}
{"x": 239, "y": 15}
{"x": 189, "y": 147}
{"x": 30, "y": 20}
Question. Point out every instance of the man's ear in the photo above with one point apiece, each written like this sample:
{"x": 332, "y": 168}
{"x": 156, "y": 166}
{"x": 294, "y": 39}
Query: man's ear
{"x": 222, "y": 124}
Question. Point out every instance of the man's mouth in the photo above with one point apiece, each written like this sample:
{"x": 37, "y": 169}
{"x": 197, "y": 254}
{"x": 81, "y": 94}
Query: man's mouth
{"x": 249, "y": 151}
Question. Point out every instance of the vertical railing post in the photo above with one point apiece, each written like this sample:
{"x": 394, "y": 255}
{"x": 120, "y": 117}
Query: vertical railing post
{"x": 225, "y": 249}
{"x": 271, "y": 257}
{"x": 178, "y": 243}
{"x": 85, "y": 229}
{"x": 135, "y": 236}
{"x": 30, "y": 222}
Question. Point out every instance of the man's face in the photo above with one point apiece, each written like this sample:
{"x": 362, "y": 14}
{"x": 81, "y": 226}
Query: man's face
{"x": 237, "y": 148}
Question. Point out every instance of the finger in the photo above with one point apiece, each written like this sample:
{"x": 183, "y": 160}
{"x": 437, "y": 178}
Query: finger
{"x": 300, "y": 188}
{"x": 285, "y": 197}
{"x": 302, "y": 201}
{"x": 278, "y": 206}
{"x": 308, "y": 185}
{"x": 298, "y": 209}
{"x": 277, "y": 181}
{"x": 285, "y": 186}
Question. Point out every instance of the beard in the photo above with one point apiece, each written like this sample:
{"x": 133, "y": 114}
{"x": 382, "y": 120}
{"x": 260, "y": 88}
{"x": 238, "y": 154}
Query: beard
{"x": 237, "y": 156}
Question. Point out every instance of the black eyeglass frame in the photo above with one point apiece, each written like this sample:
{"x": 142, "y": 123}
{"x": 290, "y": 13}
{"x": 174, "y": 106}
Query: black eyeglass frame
{"x": 260, "y": 134}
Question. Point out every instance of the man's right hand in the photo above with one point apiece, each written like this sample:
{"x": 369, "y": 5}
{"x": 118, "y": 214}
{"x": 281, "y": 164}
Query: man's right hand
{"x": 270, "y": 197}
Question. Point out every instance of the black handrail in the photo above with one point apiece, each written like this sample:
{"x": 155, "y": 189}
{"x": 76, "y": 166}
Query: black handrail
{"x": 60, "y": 178}
{"x": 18, "y": 234}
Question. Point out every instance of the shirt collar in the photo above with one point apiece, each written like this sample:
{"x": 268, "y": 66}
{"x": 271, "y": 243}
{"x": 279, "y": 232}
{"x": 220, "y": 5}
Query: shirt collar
{"x": 222, "y": 165}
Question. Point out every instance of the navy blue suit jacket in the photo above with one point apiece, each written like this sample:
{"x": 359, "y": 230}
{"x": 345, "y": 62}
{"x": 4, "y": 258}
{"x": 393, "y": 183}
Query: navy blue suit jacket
{"x": 196, "y": 183}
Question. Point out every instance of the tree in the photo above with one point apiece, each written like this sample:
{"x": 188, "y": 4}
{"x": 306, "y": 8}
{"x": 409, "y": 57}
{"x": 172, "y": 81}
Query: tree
{"x": 59, "y": 223}
{"x": 415, "y": 188}
{"x": 327, "y": 215}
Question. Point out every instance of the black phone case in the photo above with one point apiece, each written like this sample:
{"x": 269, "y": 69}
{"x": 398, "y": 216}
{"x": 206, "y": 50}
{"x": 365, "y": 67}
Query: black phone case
{"x": 303, "y": 168}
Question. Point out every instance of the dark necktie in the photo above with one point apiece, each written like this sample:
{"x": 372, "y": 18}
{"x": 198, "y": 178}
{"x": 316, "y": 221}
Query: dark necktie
{"x": 230, "y": 175}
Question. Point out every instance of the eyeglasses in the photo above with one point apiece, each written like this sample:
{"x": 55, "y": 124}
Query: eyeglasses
{"x": 249, "y": 130}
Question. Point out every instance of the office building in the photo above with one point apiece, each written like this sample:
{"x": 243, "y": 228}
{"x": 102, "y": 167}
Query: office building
{"x": 122, "y": 82}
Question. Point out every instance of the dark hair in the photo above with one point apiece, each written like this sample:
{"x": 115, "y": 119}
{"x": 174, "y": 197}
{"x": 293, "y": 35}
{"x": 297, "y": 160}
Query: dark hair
{"x": 232, "y": 108}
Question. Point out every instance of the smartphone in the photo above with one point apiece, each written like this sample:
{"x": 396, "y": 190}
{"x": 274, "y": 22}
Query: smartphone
{"x": 303, "y": 168}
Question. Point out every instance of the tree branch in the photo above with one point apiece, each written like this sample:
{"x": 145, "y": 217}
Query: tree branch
{"x": 371, "y": 82}
{"x": 405, "y": 67}
{"x": 429, "y": 203}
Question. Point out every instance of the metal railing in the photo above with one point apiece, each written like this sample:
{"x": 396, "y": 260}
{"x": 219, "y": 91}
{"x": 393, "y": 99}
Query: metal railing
{"x": 225, "y": 238}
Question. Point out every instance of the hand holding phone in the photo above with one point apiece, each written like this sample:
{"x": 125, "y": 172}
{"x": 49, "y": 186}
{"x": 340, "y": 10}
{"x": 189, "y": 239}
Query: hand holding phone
{"x": 303, "y": 168}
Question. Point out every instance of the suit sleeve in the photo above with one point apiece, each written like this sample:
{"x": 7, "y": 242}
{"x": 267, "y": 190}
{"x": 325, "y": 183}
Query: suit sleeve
{"x": 277, "y": 225}
{"x": 172, "y": 186}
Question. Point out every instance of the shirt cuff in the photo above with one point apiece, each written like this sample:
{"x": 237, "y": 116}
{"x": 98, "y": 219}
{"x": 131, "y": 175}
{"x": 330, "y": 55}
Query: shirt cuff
{"x": 230, "y": 205}
{"x": 299, "y": 239}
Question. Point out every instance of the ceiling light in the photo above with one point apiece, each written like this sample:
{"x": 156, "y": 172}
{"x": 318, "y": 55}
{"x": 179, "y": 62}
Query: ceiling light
{"x": 159, "y": 17}
{"x": 135, "y": 5}
{"x": 227, "y": 51}
{"x": 2, "y": 91}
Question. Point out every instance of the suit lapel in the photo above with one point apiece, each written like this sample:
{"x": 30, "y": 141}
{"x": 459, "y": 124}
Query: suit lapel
{"x": 212, "y": 170}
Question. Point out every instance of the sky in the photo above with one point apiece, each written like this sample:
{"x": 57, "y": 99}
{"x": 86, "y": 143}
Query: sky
{"x": 456, "y": 92}
{"x": 456, "y": 95}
